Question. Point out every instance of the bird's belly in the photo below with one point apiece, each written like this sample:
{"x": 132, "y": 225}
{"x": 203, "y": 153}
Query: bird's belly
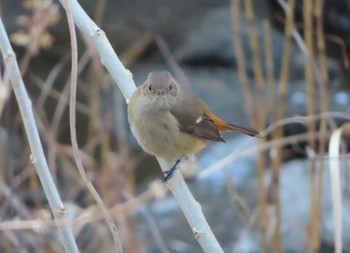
{"x": 159, "y": 135}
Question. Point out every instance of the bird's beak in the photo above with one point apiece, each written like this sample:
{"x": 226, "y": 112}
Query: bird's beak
{"x": 160, "y": 93}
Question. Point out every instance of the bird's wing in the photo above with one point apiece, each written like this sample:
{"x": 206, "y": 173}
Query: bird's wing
{"x": 205, "y": 128}
{"x": 189, "y": 111}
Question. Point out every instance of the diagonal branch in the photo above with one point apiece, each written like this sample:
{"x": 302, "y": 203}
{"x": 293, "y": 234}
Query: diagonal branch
{"x": 37, "y": 157}
{"x": 123, "y": 78}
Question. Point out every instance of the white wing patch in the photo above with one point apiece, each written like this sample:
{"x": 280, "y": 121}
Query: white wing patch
{"x": 199, "y": 119}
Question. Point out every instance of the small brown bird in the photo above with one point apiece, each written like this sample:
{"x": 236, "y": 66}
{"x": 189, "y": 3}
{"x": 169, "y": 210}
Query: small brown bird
{"x": 170, "y": 122}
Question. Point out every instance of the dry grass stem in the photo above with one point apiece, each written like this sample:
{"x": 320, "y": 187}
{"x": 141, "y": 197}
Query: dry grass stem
{"x": 240, "y": 60}
{"x": 334, "y": 170}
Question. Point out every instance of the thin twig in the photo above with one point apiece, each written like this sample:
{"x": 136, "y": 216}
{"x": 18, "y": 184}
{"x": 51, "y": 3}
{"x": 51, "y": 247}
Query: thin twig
{"x": 170, "y": 59}
{"x": 72, "y": 122}
{"x": 136, "y": 49}
{"x": 52, "y": 76}
{"x": 55, "y": 94}
{"x": 151, "y": 224}
{"x": 126, "y": 207}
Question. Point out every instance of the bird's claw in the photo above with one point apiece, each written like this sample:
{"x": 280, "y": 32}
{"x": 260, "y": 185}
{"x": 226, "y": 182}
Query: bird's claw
{"x": 167, "y": 174}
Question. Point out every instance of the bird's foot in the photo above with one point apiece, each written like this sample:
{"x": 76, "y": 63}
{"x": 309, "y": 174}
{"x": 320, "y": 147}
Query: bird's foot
{"x": 167, "y": 174}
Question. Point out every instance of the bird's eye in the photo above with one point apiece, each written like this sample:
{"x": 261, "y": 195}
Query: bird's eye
{"x": 150, "y": 88}
{"x": 170, "y": 87}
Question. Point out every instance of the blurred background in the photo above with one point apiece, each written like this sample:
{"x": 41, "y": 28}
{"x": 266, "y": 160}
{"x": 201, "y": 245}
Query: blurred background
{"x": 279, "y": 66}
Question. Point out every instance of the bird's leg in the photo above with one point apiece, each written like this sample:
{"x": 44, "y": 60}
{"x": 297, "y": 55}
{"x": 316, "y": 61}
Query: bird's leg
{"x": 167, "y": 174}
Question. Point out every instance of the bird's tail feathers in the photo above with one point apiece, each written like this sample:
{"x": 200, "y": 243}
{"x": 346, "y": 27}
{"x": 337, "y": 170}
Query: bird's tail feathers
{"x": 223, "y": 125}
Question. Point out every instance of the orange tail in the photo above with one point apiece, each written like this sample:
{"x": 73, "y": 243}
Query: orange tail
{"x": 223, "y": 125}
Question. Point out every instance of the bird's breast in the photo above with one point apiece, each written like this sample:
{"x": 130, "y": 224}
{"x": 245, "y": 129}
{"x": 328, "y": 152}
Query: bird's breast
{"x": 158, "y": 134}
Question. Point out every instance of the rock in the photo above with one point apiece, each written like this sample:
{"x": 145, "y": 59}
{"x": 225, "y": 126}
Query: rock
{"x": 123, "y": 22}
{"x": 211, "y": 44}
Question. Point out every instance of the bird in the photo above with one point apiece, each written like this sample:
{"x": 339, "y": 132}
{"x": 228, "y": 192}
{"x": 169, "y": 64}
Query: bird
{"x": 170, "y": 122}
